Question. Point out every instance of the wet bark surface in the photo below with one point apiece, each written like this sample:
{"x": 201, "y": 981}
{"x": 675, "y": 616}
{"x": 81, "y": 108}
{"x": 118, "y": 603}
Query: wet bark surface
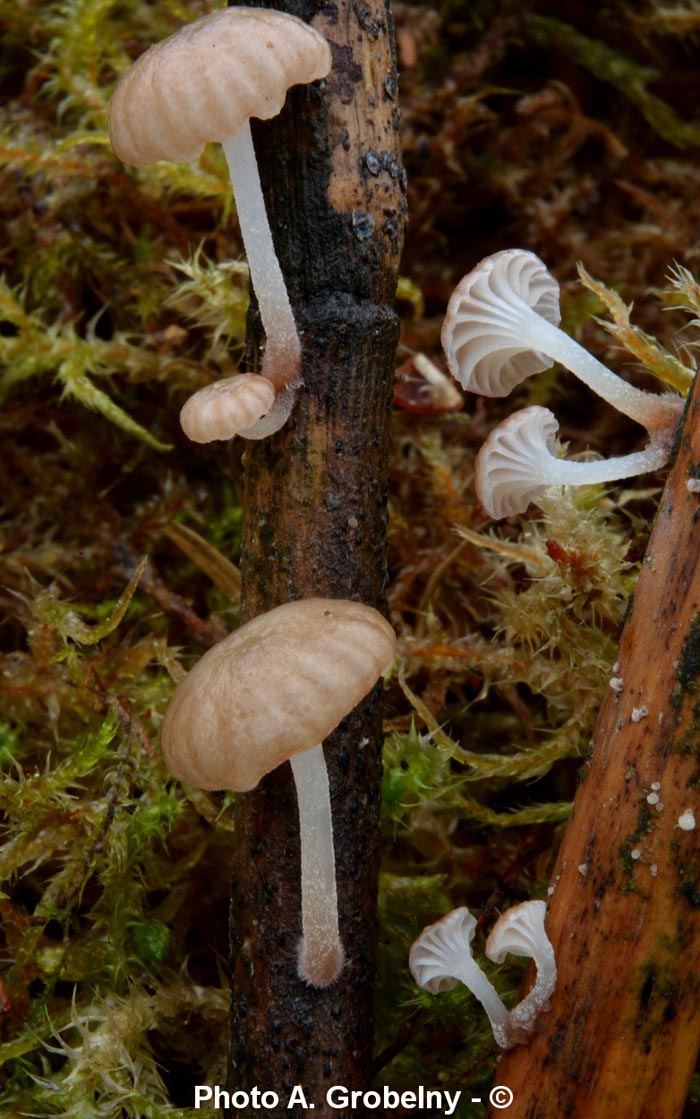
{"x": 316, "y": 507}
{"x": 623, "y": 1032}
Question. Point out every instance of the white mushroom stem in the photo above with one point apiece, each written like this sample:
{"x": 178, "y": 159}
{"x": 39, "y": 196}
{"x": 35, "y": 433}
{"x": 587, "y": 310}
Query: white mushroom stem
{"x": 468, "y": 972}
{"x": 281, "y": 361}
{"x": 657, "y": 413}
{"x": 563, "y": 472}
{"x": 320, "y": 954}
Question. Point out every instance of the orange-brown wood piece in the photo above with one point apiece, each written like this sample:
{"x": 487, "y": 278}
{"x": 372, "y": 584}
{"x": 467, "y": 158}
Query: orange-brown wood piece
{"x": 622, "y": 1036}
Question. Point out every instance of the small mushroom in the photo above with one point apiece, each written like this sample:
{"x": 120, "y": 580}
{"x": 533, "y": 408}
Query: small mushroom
{"x": 204, "y": 83}
{"x": 502, "y": 325}
{"x": 271, "y": 692}
{"x": 227, "y": 406}
{"x": 442, "y": 955}
{"x": 518, "y": 461}
{"x": 520, "y": 931}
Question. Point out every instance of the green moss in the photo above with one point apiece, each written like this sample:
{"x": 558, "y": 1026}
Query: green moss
{"x": 122, "y": 292}
{"x": 622, "y": 72}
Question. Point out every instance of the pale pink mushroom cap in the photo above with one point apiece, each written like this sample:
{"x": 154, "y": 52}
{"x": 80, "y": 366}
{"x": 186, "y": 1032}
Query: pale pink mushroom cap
{"x": 433, "y": 954}
{"x": 225, "y": 408}
{"x": 205, "y": 81}
{"x": 519, "y": 932}
{"x": 273, "y": 688}
{"x": 484, "y": 334}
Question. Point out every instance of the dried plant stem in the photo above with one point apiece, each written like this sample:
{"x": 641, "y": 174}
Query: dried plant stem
{"x": 623, "y": 1032}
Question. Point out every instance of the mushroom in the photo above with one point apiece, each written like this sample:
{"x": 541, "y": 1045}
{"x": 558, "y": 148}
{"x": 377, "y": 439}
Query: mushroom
{"x": 225, "y": 407}
{"x": 204, "y": 83}
{"x": 521, "y": 932}
{"x": 517, "y": 462}
{"x": 502, "y": 325}
{"x": 442, "y": 954}
{"x": 271, "y": 692}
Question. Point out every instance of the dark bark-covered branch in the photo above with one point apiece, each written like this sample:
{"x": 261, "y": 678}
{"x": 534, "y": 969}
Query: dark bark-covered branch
{"x": 315, "y": 500}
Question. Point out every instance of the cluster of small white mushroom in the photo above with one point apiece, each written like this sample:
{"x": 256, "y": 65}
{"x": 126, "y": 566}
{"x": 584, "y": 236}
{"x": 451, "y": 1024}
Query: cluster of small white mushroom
{"x": 442, "y": 955}
{"x": 502, "y": 326}
{"x": 203, "y": 84}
